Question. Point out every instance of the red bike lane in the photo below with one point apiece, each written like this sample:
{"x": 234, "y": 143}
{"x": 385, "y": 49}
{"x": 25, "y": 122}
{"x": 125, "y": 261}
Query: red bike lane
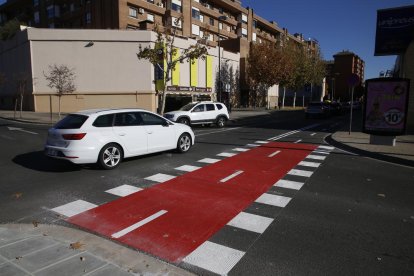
{"x": 172, "y": 219}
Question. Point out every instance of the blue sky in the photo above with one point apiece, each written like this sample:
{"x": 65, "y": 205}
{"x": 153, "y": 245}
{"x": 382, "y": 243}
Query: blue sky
{"x": 337, "y": 25}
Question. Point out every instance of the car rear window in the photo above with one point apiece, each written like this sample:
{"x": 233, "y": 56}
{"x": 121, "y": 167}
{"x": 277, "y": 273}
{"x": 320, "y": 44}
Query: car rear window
{"x": 104, "y": 121}
{"x": 72, "y": 121}
{"x": 219, "y": 106}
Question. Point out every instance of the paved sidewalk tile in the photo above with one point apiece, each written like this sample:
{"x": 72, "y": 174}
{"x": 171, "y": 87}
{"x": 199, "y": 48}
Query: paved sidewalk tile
{"x": 8, "y": 236}
{"x": 109, "y": 270}
{"x": 8, "y": 269}
{"x": 24, "y": 247}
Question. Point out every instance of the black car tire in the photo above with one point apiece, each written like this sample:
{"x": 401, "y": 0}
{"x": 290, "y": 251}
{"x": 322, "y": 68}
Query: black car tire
{"x": 184, "y": 121}
{"x": 221, "y": 122}
{"x": 110, "y": 156}
{"x": 184, "y": 143}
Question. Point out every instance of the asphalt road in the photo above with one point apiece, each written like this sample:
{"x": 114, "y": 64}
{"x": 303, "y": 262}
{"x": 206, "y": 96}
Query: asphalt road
{"x": 353, "y": 215}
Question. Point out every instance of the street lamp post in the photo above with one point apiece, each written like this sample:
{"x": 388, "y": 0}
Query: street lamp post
{"x": 333, "y": 87}
{"x": 220, "y": 18}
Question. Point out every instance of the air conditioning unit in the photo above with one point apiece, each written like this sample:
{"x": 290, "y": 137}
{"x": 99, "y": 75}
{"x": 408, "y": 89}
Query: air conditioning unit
{"x": 141, "y": 10}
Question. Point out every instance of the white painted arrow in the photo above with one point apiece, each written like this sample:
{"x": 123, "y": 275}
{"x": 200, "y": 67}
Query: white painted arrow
{"x": 22, "y": 130}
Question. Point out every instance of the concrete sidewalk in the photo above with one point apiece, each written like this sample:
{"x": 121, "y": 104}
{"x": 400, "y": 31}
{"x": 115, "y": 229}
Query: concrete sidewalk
{"x": 53, "y": 249}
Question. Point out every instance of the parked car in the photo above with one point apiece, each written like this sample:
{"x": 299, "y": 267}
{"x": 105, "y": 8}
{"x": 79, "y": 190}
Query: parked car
{"x": 107, "y": 136}
{"x": 200, "y": 113}
{"x": 318, "y": 109}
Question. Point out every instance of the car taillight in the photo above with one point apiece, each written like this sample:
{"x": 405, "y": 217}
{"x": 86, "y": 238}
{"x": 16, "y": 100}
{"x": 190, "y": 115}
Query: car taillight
{"x": 74, "y": 136}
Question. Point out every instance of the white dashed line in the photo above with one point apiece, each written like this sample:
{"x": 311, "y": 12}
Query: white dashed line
{"x": 240, "y": 149}
{"x": 262, "y": 142}
{"x": 273, "y": 154}
{"x": 231, "y": 176}
{"x": 137, "y": 225}
{"x": 298, "y": 141}
{"x": 309, "y": 164}
{"x": 326, "y": 147}
{"x": 316, "y": 157}
{"x": 322, "y": 152}
{"x": 226, "y": 154}
{"x": 313, "y": 134}
{"x": 252, "y": 145}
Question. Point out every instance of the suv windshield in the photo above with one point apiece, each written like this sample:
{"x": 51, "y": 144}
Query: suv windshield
{"x": 71, "y": 121}
{"x": 187, "y": 107}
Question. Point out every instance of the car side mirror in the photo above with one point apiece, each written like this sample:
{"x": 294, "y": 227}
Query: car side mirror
{"x": 165, "y": 124}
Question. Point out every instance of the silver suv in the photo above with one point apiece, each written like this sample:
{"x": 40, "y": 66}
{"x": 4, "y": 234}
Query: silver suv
{"x": 200, "y": 113}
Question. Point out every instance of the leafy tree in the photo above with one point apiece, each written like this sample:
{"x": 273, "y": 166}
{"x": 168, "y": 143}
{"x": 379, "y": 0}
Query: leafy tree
{"x": 9, "y": 29}
{"x": 164, "y": 56}
{"x": 61, "y": 78}
{"x": 268, "y": 65}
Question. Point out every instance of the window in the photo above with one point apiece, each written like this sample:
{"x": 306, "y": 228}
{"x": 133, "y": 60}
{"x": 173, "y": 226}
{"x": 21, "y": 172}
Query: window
{"x": 195, "y": 29}
{"x": 212, "y": 21}
{"x": 133, "y": 12}
{"x": 220, "y": 26}
{"x": 254, "y": 23}
{"x": 195, "y": 13}
{"x": 210, "y": 107}
{"x": 176, "y": 5}
{"x": 221, "y": 10}
{"x": 50, "y": 11}
{"x": 254, "y": 38}
{"x": 176, "y": 22}
{"x": 244, "y": 18}
{"x": 104, "y": 121}
{"x": 198, "y": 108}
{"x": 150, "y": 17}
{"x": 128, "y": 119}
{"x": 35, "y": 3}
{"x": 201, "y": 18}
{"x": 219, "y": 106}
{"x": 150, "y": 1}
{"x": 151, "y": 119}
{"x": 36, "y": 17}
{"x": 72, "y": 121}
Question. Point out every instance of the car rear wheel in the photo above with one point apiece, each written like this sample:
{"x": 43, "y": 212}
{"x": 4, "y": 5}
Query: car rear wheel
{"x": 221, "y": 121}
{"x": 184, "y": 121}
{"x": 184, "y": 143}
{"x": 110, "y": 156}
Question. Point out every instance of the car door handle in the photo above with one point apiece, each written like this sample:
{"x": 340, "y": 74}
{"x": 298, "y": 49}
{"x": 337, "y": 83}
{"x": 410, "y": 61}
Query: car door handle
{"x": 149, "y": 132}
{"x": 121, "y": 134}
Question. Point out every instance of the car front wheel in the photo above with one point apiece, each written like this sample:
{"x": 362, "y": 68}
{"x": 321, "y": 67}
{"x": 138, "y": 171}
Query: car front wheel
{"x": 184, "y": 121}
{"x": 110, "y": 156}
{"x": 184, "y": 143}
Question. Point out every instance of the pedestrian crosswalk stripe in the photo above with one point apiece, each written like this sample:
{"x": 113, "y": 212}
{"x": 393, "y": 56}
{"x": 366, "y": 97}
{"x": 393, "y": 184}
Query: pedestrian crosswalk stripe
{"x": 226, "y": 154}
{"x": 123, "y": 190}
{"x": 316, "y": 157}
{"x": 187, "y": 168}
{"x": 160, "y": 177}
{"x": 214, "y": 257}
{"x": 262, "y": 142}
{"x": 250, "y": 222}
{"x": 274, "y": 200}
{"x": 300, "y": 173}
{"x": 209, "y": 160}
{"x": 252, "y": 145}
{"x": 326, "y": 147}
{"x": 240, "y": 149}
{"x": 74, "y": 208}
{"x": 288, "y": 184}
{"x": 320, "y": 151}
{"x": 309, "y": 164}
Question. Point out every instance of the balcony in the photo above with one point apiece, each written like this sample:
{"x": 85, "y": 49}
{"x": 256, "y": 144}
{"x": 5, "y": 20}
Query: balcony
{"x": 148, "y": 7}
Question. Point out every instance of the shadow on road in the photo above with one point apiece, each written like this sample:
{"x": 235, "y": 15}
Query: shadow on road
{"x": 39, "y": 162}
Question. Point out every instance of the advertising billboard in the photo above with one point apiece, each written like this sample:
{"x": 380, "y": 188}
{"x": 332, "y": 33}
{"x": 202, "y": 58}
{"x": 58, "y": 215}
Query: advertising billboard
{"x": 395, "y": 30}
{"x": 386, "y": 106}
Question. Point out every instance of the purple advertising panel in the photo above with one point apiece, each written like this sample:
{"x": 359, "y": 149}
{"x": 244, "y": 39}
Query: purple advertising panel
{"x": 386, "y": 106}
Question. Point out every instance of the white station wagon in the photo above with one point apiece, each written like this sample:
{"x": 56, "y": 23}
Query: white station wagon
{"x": 106, "y": 136}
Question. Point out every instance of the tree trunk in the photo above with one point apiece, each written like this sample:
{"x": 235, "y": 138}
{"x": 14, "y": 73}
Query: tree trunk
{"x": 163, "y": 98}
{"x": 60, "y": 97}
{"x": 294, "y": 100}
{"x": 21, "y": 106}
{"x": 15, "y": 108}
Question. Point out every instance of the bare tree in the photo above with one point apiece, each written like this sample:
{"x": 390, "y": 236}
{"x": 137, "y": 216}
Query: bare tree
{"x": 61, "y": 78}
{"x": 164, "y": 56}
{"x": 23, "y": 80}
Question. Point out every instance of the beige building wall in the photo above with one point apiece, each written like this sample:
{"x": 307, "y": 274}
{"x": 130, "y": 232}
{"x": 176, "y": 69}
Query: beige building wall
{"x": 408, "y": 72}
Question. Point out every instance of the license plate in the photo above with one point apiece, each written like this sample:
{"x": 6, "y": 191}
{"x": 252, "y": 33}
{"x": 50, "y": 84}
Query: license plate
{"x": 51, "y": 152}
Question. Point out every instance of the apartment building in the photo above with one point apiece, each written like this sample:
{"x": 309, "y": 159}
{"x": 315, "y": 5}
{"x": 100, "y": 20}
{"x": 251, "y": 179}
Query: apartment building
{"x": 224, "y": 23}
{"x": 344, "y": 64}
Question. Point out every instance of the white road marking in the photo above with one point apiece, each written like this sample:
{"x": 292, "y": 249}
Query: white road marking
{"x": 288, "y": 184}
{"x": 316, "y": 157}
{"x": 187, "y": 168}
{"x": 137, "y": 225}
{"x": 309, "y": 164}
{"x": 319, "y": 151}
{"x": 231, "y": 176}
{"x": 252, "y": 145}
{"x": 228, "y": 129}
{"x": 313, "y": 134}
{"x": 160, "y": 177}
{"x": 274, "y": 200}
{"x": 250, "y": 222}
{"x": 292, "y": 132}
{"x": 226, "y": 154}
{"x": 214, "y": 257}
{"x": 326, "y": 147}
{"x": 124, "y": 190}
{"x": 273, "y": 154}
{"x": 300, "y": 173}
{"x": 262, "y": 142}
{"x": 298, "y": 141}
{"x": 21, "y": 130}
{"x": 240, "y": 149}
{"x": 74, "y": 208}
{"x": 209, "y": 160}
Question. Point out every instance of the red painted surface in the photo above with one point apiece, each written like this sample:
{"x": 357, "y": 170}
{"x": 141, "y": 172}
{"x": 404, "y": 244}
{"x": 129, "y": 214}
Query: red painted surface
{"x": 198, "y": 204}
